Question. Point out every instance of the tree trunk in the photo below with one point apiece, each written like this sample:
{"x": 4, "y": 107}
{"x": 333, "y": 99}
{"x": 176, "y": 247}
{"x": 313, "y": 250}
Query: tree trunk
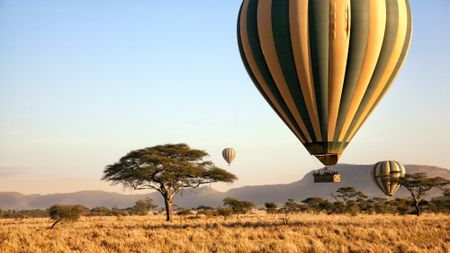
{"x": 168, "y": 201}
{"x": 416, "y": 205}
{"x": 56, "y": 222}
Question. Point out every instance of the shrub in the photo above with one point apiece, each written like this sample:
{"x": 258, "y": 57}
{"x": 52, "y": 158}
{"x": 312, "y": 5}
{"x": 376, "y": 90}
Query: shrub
{"x": 225, "y": 212}
{"x": 184, "y": 212}
{"x": 60, "y": 213}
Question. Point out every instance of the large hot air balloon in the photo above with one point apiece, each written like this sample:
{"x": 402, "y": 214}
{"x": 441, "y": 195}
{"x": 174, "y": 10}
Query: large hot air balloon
{"x": 229, "y": 154}
{"x": 324, "y": 65}
{"x": 385, "y": 174}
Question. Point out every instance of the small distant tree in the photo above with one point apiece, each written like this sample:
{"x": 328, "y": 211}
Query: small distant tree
{"x": 1, "y": 212}
{"x": 345, "y": 194}
{"x": 118, "y": 212}
{"x": 100, "y": 211}
{"x": 238, "y": 206}
{"x": 60, "y": 213}
{"x": 317, "y": 204}
{"x": 203, "y": 207}
{"x": 419, "y": 184}
{"x": 207, "y": 211}
{"x": 184, "y": 212}
{"x": 225, "y": 212}
{"x": 290, "y": 206}
{"x": 143, "y": 206}
{"x": 402, "y": 206}
{"x": 441, "y": 204}
{"x": 167, "y": 169}
{"x": 379, "y": 205}
{"x": 271, "y": 208}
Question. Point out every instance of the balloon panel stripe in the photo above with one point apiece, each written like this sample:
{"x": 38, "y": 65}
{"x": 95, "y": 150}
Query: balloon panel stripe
{"x": 267, "y": 45}
{"x": 373, "y": 40}
{"x": 266, "y": 83}
{"x": 339, "y": 39}
{"x": 390, "y": 37}
{"x": 398, "y": 67}
{"x": 298, "y": 24}
{"x": 319, "y": 43}
{"x": 405, "y": 20}
{"x": 282, "y": 41}
{"x": 375, "y": 173}
{"x": 359, "y": 35}
{"x": 250, "y": 72}
{"x": 394, "y": 60}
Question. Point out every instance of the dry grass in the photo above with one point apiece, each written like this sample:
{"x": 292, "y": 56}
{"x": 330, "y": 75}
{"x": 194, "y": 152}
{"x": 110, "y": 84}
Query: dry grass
{"x": 252, "y": 233}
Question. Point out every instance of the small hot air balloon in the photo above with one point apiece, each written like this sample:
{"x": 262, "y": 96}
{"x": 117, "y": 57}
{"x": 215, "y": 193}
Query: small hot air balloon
{"x": 229, "y": 154}
{"x": 324, "y": 65}
{"x": 385, "y": 174}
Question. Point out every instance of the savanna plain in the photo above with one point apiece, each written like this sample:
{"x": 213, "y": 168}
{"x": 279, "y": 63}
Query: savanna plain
{"x": 248, "y": 233}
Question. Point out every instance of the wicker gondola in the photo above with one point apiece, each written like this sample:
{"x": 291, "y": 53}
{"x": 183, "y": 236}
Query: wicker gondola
{"x": 326, "y": 176}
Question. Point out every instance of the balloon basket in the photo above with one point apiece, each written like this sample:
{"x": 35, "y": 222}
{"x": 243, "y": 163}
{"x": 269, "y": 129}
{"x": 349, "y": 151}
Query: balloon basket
{"x": 326, "y": 176}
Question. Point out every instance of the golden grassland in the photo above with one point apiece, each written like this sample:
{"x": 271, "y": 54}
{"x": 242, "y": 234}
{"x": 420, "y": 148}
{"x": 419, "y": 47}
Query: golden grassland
{"x": 250, "y": 233}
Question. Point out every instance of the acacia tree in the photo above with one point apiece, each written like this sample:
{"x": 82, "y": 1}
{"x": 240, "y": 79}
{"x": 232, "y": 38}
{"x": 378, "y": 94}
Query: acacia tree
{"x": 238, "y": 206}
{"x": 167, "y": 169}
{"x": 143, "y": 206}
{"x": 65, "y": 212}
{"x": 419, "y": 184}
{"x": 271, "y": 208}
{"x": 317, "y": 204}
{"x": 348, "y": 193}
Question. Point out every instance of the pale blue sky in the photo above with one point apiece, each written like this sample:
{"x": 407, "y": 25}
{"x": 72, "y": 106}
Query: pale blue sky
{"x": 84, "y": 82}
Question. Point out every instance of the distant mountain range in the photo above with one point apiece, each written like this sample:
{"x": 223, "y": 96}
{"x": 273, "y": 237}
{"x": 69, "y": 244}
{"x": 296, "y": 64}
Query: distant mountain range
{"x": 357, "y": 176}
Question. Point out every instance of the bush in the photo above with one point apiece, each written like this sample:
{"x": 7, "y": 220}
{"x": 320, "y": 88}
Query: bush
{"x": 202, "y": 207}
{"x": 207, "y": 213}
{"x": 238, "y": 206}
{"x": 100, "y": 211}
{"x": 65, "y": 213}
{"x": 225, "y": 212}
{"x": 270, "y": 207}
{"x": 318, "y": 204}
{"x": 142, "y": 207}
{"x": 184, "y": 212}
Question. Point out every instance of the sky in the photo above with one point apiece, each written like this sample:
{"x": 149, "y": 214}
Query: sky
{"x": 84, "y": 82}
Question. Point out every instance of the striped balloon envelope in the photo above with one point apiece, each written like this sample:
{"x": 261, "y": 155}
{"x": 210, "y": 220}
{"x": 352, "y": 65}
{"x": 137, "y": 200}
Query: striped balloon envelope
{"x": 324, "y": 65}
{"x": 385, "y": 174}
{"x": 229, "y": 154}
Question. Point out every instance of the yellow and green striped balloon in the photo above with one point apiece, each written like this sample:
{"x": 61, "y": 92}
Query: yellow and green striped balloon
{"x": 229, "y": 154}
{"x": 324, "y": 65}
{"x": 385, "y": 174}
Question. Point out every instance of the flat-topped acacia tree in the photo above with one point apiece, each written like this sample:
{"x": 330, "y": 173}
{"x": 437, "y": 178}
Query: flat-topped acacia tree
{"x": 167, "y": 169}
{"x": 419, "y": 184}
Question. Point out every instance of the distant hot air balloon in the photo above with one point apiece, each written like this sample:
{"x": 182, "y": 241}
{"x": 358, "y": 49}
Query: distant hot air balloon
{"x": 229, "y": 154}
{"x": 385, "y": 174}
{"x": 324, "y": 65}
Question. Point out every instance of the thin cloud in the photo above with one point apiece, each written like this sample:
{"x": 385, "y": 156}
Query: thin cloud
{"x": 12, "y": 171}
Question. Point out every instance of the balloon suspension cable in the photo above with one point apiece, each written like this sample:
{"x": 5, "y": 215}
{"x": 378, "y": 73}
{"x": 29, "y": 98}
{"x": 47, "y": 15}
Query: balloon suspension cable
{"x": 316, "y": 163}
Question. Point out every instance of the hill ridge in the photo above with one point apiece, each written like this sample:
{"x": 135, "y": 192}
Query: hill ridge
{"x": 352, "y": 175}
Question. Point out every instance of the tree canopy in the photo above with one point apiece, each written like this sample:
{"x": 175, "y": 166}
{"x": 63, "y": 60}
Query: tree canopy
{"x": 348, "y": 193}
{"x": 238, "y": 206}
{"x": 419, "y": 184}
{"x": 65, "y": 212}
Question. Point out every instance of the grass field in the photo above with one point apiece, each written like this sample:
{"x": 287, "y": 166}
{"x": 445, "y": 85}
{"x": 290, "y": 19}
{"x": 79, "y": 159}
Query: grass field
{"x": 251, "y": 233}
